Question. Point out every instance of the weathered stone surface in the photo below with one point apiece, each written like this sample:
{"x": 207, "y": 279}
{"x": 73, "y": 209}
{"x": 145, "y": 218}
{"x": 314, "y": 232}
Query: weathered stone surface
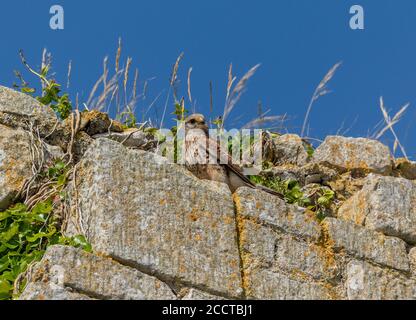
{"x": 15, "y": 163}
{"x": 18, "y": 110}
{"x": 307, "y": 174}
{"x": 138, "y": 208}
{"x": 277, "y": 266}
{"x": 283, "y": 173}
{"x": 385, "y": 204}
{"x": 257, "y": 243}
{"x": 269, "y": 285}
{"x": 406, "y": 168}
{"x": 304, "y": 259}
{"x": 62, "y": 135}
{"x": 194, "y": 294}
{"x": 366, "y": 244}
{"x": 346, "y": 185}
{"x": 50, "y": 291}
{"x": 289, "y": 149}
{"x": 132, "y": 138}
{"x": 95, "y": 122}
{"x": 367, "y": 282}
{"x": 264, "y": 248}
{"x": 412, "y": 259}
{"x": 95, "y": 276}
{"x": 160, "y": 233}
{"x": 82, "y": 142}
{"x": 354, "y": 154}
{"x": 53, "y": 152}
{"x": 271, "y": 210}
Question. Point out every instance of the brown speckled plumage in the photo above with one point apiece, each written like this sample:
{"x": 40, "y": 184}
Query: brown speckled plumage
{"x": 198, "y": 148}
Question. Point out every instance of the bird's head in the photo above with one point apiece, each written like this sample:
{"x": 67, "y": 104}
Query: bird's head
{"x": 196, "y": 121}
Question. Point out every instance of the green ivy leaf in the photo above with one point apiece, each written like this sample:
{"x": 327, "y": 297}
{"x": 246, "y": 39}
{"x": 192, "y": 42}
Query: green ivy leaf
{"x": 42, "y": 208}
{"x": 60, "y": 165}
{"x": 5, "y": 288}
{"x": 79, "y": 241}
{"x": 4, "y": 215}
{"x": 4, "y": 263}
{"x": 10, "y": 233}
{"x": 61, "y": 180}
{"x": 28, "y": 90}
{"x": 41, "y": 235}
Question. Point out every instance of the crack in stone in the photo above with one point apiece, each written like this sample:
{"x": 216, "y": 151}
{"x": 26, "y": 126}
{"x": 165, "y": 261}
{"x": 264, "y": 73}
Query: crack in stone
{"x": 173, "y": 283}
{"x": 239, "y": 247}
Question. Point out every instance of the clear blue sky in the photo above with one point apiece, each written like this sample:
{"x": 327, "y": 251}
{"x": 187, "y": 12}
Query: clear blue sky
{"x": 296, "y": 41}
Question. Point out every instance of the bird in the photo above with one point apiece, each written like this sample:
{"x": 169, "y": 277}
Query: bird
{"x": 203, "y": 158}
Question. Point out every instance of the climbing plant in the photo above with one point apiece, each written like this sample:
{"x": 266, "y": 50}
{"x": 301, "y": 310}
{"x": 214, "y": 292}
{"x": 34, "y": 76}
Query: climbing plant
{"x": 25, "y": 234}
{"x": 51, "y": 90}
{"x": 318, "y": 202}
{"x": 29, "y": 227}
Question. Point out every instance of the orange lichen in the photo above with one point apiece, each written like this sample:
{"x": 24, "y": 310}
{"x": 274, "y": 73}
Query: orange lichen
{"x": 354, "y": 209}
{"x": 245, "y": 257}
{"x": 326, "y": 247}
{"x": 193, "y": 217}
{"x": 228, "y": 220}
{"x": 300, "y": 275}
{"x": 289, "y": 216}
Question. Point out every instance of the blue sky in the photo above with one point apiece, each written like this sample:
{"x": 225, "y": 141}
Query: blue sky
{"x": 296, "y": 41}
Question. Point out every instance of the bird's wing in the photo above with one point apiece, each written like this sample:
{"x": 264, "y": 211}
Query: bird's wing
{"x": 214, "y": 150}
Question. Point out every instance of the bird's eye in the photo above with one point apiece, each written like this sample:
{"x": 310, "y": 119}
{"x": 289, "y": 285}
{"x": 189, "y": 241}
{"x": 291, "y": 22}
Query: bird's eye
{"x": 192, "y": 121}
{"x": 203, "y": 122}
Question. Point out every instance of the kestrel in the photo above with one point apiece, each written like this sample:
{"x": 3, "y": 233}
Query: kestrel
{"x": 198, "y": 148}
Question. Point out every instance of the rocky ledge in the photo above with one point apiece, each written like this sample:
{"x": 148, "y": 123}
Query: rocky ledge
{"x": 158, "y": 232}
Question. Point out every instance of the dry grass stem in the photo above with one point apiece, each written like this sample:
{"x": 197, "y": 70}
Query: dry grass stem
{"x": 211, "y": 98}
{"x": 234, "y": 96}
{"x": 118, "y": 55}
{"x": 136, "y": 79}
{"x": 262, "y": 120}
{"x": 126, "y": 76}
{"x": 390, "y": 123}
{"x": 69, "y": 74}
{"x": 172, "y": 86}
{"x": 189, "y": 85}
{"x": 320, "y": 91}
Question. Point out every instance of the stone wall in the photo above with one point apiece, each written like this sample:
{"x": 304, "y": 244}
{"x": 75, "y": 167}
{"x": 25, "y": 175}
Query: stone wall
{"x": 160, "y": 233}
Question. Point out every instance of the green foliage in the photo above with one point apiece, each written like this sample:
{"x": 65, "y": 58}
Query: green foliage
{"x": 310, "y": 150}
{"x": 24, "y": 86}
{"x": 51, "y": 91}
{"x": 294, "y": 195}
{"x": 58, "y": 173}
{"x": 127, "y": 118}
{"x": 317, "y": 202}
{"x": 24, "y": 236}
{"x": 59, "y": 103}
{"x": 218, "y": 122}
{"x": 25, "y": 233}
{"x": 325, "y": 197}
{"x": 289, "y": 188}
{"x": 180, "y": 111}
{"x": 78, "y": 241}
